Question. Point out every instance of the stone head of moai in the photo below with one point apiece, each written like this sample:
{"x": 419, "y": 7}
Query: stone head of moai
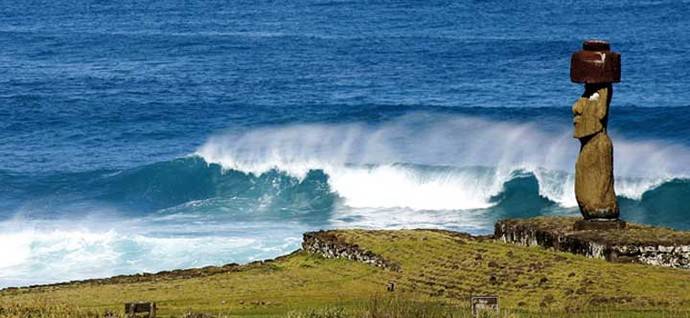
{"x": 598, "y": 68}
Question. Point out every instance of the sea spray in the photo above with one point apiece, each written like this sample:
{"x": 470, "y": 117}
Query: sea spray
{"x": 426, "y": 161}
{"x": 250, "y": 194}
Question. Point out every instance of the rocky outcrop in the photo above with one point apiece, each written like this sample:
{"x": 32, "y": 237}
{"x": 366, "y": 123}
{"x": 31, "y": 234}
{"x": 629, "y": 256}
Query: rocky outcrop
{"x": 633, "y": 244}
{"x": 328, "y": 245}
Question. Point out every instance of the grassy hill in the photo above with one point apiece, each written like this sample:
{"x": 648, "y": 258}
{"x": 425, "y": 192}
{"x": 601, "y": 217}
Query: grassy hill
{"x": 438, "y": 271}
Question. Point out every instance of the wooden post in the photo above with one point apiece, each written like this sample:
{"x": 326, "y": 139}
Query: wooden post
{"x": 148, "y": 309}
{"x": 391, "y": 286}
{"x": 483, "y": 303}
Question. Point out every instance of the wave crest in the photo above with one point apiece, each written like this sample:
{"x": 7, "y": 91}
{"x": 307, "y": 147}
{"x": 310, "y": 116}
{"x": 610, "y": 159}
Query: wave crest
{"x": 425, "y": 161}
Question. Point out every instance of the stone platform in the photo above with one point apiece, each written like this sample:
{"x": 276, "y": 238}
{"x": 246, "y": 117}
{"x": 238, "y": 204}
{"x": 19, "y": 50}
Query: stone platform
{"x": 633, "y": 243}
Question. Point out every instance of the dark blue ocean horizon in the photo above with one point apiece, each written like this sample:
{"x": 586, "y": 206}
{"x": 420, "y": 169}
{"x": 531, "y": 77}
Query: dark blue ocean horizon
{"x": 217, "y": 132}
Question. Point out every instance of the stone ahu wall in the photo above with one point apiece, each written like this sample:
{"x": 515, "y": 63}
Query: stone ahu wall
{"x": 634, "y": 244}
{"x": 327, "y": 244}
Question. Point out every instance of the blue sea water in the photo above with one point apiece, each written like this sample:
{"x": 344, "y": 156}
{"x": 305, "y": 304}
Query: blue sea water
{"x": 138, "y": 136}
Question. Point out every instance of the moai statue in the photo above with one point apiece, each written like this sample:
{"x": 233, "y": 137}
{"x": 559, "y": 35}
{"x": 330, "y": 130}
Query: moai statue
{"x": 598, "y": 68}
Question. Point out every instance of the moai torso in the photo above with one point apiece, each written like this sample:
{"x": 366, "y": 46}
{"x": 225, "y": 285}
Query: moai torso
{"x": 594, "y": 189}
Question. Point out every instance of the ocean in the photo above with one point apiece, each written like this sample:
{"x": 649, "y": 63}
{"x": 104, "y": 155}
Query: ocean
{"x": 140, "y": 136}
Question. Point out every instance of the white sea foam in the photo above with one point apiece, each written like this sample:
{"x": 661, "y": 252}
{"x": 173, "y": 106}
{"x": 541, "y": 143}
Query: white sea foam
{"x": 55, "y": 252}
{"x": 414, "y": 171}
{"x": 363, "y": 161}
{"x": 47, "y": 251}
{"x": 404, "y": 186}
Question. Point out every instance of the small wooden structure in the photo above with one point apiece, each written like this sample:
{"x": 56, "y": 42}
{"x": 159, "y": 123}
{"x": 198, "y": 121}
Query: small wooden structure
{"x": 484, "y": 303}
{"x": 390, "y": 286}
{"x": 140, "y": 309}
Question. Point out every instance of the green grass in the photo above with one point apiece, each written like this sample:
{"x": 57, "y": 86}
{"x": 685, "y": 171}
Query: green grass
{"x": 439, "y": 272}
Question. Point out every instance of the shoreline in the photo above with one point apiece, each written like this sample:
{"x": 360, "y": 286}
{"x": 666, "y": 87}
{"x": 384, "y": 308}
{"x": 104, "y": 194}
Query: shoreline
{"x": 546, "y": 232}
{"x": 181, "y": 273}
{"x": 351, "y": 270}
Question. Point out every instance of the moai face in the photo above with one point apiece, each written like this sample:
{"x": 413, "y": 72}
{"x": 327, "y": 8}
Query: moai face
{"x": 597, "y": 67}
{"x": 590, "y": 111}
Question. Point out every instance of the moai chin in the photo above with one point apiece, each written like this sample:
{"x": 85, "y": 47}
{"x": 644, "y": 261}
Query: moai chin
{"x": 598, "y": 68}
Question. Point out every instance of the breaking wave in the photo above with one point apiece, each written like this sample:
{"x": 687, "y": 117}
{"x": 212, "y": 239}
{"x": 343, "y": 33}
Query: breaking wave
{"x": 426, "y": 162}
{"x": 251, "y": 194}
{"x": 418, "y": 162}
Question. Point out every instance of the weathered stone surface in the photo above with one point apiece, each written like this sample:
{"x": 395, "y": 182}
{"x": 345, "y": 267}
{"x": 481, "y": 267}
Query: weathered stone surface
{"x": 327, "y": 244}
{"x": 598, "y": 67}
{"x": 599, "y": 224}
{"x": 633, "y": 244}
{"x": 594, "y": 189}
{"x": 596, "y": 63}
